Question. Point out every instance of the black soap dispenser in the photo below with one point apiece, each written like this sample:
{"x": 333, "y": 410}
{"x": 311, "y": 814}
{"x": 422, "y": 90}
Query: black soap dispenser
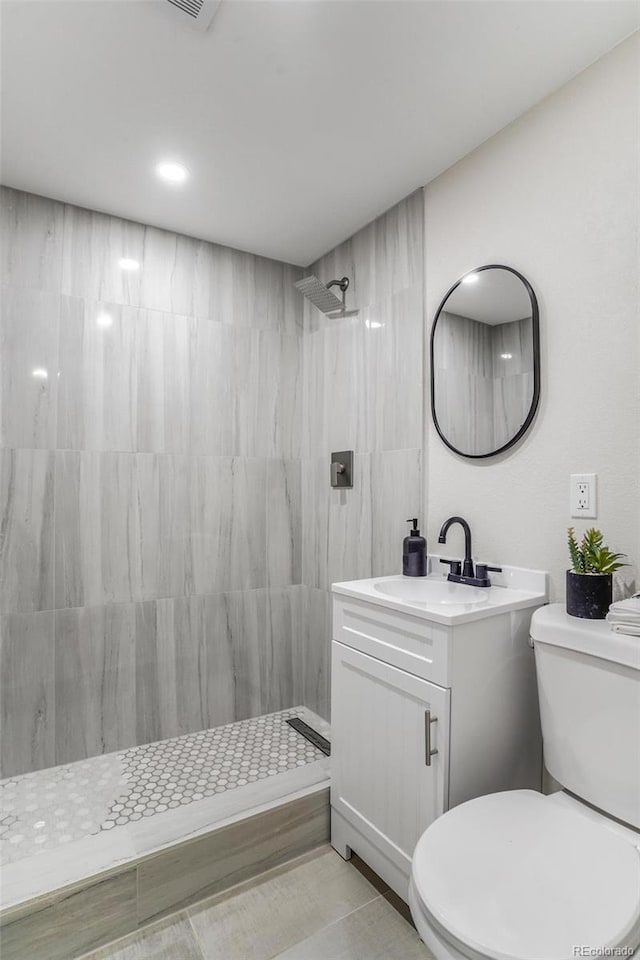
{"x": 414, "y": 553}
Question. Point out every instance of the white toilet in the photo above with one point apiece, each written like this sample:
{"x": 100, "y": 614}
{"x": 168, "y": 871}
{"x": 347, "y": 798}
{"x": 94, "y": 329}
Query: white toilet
{"x": 523, "y": 876}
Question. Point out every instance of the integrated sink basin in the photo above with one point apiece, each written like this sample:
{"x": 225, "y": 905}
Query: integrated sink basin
{"x": 435, "y": 598}
{"x": 427, "y": 591}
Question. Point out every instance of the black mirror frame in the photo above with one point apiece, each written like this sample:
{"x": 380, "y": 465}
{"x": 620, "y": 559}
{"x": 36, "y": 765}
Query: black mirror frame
{"x": 535, "y": 323}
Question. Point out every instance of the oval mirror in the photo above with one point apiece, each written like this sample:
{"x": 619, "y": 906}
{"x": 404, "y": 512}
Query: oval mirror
{"x": 485, "y": 361}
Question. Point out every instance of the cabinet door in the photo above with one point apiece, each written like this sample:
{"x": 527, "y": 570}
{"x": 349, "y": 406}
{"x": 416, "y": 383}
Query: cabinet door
{"x": 381, "y": 782}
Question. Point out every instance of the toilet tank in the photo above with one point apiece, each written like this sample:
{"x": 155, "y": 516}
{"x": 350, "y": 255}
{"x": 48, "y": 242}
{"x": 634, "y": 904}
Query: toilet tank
{"x": 589, "y": 694}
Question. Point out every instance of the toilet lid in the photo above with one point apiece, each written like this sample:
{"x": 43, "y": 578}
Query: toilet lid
{"x": 515, "y": 875}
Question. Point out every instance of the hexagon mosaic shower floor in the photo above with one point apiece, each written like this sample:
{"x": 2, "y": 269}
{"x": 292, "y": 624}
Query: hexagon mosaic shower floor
{"x": 48, "y": 808}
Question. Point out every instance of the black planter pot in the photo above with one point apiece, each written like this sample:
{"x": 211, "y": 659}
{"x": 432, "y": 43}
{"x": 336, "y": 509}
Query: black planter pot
{"x": 589, "y": 594}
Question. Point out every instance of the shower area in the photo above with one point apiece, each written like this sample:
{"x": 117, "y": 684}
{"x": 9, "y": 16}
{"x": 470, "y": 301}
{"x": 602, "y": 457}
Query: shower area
{"x": 168, "y": 539}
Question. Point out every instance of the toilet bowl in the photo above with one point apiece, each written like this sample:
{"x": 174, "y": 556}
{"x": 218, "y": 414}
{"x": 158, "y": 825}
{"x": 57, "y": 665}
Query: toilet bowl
{"x": 523, "y": 876}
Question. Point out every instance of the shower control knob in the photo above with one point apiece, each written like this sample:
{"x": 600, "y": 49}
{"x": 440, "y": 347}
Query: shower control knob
{"x": 336, "y": 470}
{"x": 342, "y": 468}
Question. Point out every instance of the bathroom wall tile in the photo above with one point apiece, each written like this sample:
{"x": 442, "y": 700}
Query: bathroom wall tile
{"x": 213, "y": 413}
{"x": 336, "y": 524}
{"x": 284, "y": 522}
{"x": 277, "y": 304}
{"x": 515, "y": 338}
{"x": 299, "y": 635}
{"x": 26, "y": 530}
{"x": 171, "y": 669}
{"x": 97, "y": 532}
{"x": 95, "y": 680}
{"x": 77, "y": 922}
{"x": 463, "y": 346}
{"x": 395, "y": 390}
{"x": 279, "y": 649}
{"x": 457, "y": 394}
{"x": 97, "y": 407}
{"x": 247, "y": 641}
{"x": 167, "y": 272}
{"x": 268, "y": 294}
{"x": 156, "y": 635}
{"x": 93, "y": 245}
{"x": 122, "y": 527}
{"x": 317, "y": 652}
{"x": 224, "y": 389}
{"x": 164, "y": 345}
{"x": 246, "y": 392}
{"x": 396, "y": 493}
{"x": 28, "y": 343}
{"x": 95, "y": 242}
{"x": 242, "y": 283}
{"x": 399, "y": 246}
{"x": 313, "y": 424}
{"x": 238, "y": 288}
{"x": 512, "y": 398}
{"x": 185, "y": 669}
{"x": 31, "y": 230}
{"x": 161, "y": 499}
{"x": 228, "y": 525}
{"x": 277, "y": 398}
{"x": 214, "y": 283}
{"x": 382, "y": 258}
{"x": 349, "y": 553}
{"x": 213, "y": 627}
{"x": 347, "y": 404}
{"x": 363, "y": 253}
{"x": 246, "y": 613}
{"x": 27, "y": 692}
{"x": 292, "y": 321}
{"x": 315, "y": 521}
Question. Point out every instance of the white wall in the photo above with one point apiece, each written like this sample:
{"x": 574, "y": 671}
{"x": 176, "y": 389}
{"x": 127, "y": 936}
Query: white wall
{"x": 555, "y": 195}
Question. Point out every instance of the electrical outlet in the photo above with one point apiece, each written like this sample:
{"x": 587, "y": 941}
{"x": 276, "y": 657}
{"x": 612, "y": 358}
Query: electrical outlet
{"x": 583, "y": 497}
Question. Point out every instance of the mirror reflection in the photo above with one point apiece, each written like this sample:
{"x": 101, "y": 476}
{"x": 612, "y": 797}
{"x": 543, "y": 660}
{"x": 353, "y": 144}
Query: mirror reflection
{"x": 485, "y": 362}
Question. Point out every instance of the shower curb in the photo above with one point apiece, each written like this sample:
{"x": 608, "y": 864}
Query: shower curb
{"x": 81, "y": 917}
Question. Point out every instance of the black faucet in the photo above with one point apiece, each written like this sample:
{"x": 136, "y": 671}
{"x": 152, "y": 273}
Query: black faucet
{"x": 477, "y": 578}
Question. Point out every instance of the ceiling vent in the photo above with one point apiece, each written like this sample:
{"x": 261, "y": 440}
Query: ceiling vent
{"x": 197, "y": 14}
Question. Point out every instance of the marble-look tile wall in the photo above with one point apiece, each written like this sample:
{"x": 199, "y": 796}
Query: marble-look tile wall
{"x": 363, "y": 391}
{"x": 150, "y": 484}
{"x": 486, "y": 368}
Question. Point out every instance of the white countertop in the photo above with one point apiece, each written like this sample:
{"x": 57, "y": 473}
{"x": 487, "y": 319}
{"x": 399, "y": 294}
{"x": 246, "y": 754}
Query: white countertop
{"x": 436, "y": 599}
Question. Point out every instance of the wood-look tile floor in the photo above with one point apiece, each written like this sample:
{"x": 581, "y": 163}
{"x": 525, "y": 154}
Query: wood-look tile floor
{"x": 316, "y": 908}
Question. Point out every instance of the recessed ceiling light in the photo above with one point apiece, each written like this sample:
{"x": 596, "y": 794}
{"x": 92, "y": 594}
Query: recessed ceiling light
{"x": 172, "y": 172}
{"x": 126, "y": 264}
{"x": 40, "y": 373}
{"x": 506, "y": 356}
{"x": 471, "y": 278}
{"x": 104, "y": 320}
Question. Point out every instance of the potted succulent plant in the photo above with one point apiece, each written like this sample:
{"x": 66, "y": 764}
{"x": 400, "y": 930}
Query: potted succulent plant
{"x": 590, "y": 582}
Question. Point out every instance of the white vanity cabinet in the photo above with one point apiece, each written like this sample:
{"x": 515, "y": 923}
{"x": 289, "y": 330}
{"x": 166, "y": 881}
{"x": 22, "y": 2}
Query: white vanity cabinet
{"x": 425, "y": 715}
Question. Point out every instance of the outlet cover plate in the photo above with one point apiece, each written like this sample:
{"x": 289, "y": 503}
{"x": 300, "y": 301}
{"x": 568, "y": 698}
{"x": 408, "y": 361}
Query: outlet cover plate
{"x": 583, "y": 495}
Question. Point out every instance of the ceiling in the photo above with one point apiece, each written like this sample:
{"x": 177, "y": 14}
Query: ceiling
{"x": 299, "y": 120}
{"x": 497, "y": 296}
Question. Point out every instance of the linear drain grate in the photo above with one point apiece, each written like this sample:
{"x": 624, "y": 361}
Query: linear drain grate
{"x": 310, "y": 734}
